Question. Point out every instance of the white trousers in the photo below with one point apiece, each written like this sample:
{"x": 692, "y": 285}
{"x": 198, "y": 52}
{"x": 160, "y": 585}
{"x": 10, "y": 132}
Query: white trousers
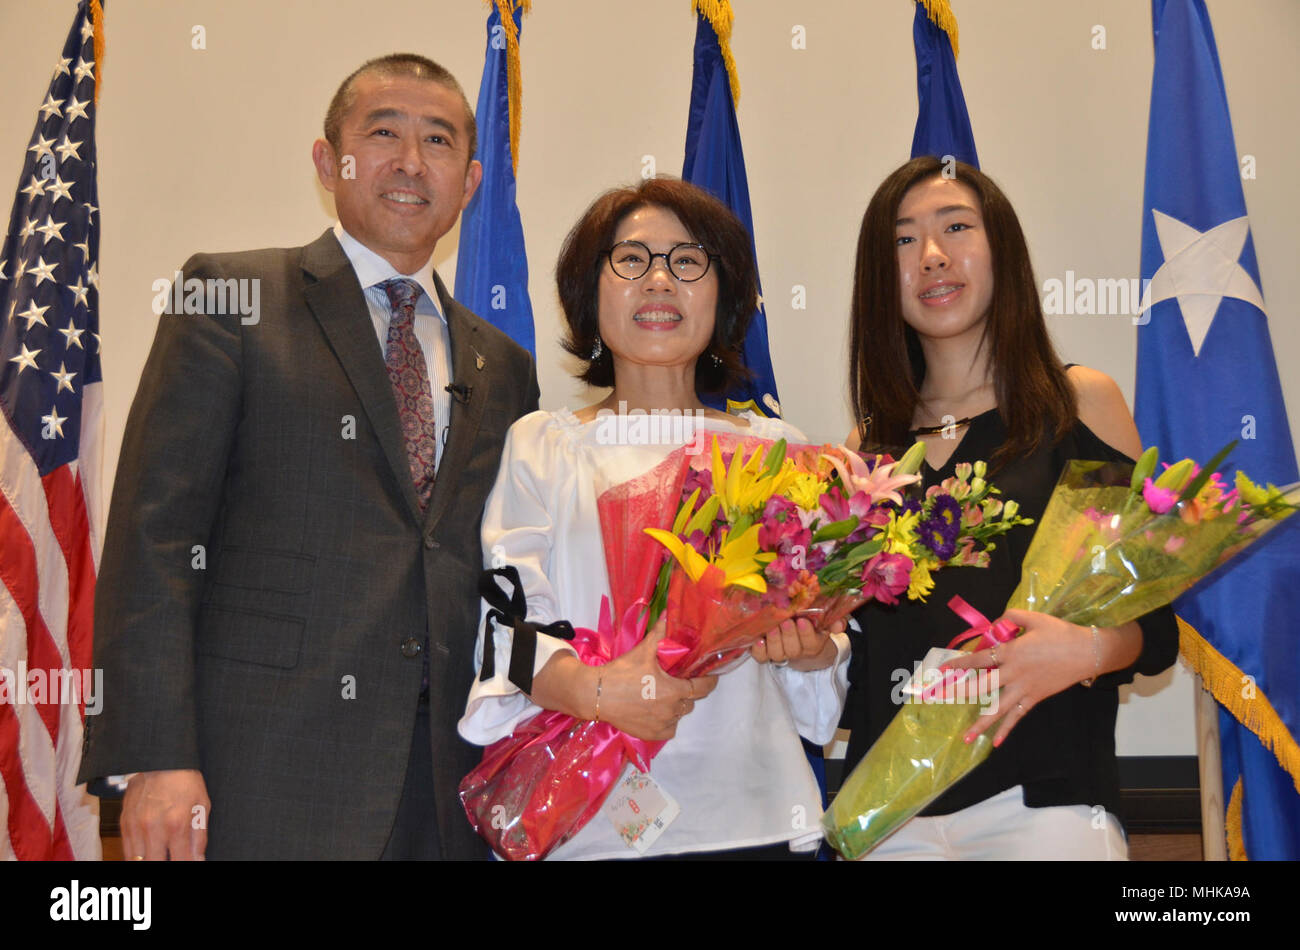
{"x": 1003, "y": 828}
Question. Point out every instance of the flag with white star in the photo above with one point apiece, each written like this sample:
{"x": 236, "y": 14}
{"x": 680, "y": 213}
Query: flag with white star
{"x": 1207, "y": 375}
{"x": 50, "y": 441}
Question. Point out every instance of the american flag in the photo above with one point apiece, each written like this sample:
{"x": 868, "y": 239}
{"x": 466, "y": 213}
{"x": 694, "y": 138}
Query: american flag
{"x": 50, "y": 443}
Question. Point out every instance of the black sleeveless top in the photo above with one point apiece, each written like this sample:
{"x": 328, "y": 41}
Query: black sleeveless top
{"x": 1063, "y": 750}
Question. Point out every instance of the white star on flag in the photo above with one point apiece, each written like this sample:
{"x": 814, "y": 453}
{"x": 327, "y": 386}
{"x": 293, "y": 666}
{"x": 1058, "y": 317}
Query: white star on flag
{"x": 84, "y": 69}
{"x": 33, "y": 315}
{"x": 54, "y": 421}
{"x": 41, "y": 146}
{"x": 72, "y": 333}
{"x": 1200, "y": 269}
{"x": 37, "y": 187}
{"x": 66, "y": 148}
{"x": 43, "y": 271}
{"x": 79, "y": 291}
{"x": 52, "y": 230}
{"x": 61, "y": 67}
{"x": 77, "y": 109}
{"x": 50, "y": 107}
{"x": 64, "y": 378}
{"x": 60, "y": 189}
{"x": 25, "y": 360}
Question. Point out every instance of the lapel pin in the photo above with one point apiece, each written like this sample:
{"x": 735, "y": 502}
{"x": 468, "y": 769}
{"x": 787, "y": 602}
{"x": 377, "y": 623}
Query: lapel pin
{"x": 478, "y": 360}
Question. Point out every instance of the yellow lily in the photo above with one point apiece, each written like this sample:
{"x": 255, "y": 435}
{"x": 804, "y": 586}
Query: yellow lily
{"x": 738, "y": 558}
{"x": 741, "y": 488}
{"x": 691, "y": 560}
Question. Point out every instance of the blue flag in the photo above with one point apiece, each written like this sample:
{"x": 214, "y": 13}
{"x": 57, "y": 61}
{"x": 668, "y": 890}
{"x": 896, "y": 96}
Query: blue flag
{"x": 1206, "y": 375}
{"x": 715, "y": 162}
{"x": 492, "y": 263}
{"x": 942, "y": 123}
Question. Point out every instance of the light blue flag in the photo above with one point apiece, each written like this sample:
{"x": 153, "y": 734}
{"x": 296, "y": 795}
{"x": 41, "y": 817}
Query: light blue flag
{"x": 492, "y": 263}
{"x": 1207, "y": 375}
{"x": 715, "y": 162}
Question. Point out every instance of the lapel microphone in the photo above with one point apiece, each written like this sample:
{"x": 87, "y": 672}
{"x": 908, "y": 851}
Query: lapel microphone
{"x": 461, "y": 392}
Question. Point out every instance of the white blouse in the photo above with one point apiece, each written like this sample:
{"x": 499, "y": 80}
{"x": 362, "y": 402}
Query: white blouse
{"x": 735, "y": 766}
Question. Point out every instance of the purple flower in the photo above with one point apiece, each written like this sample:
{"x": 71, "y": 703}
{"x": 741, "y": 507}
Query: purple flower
{"x": 938, "y": 537}
{"x": 947, "y": 510}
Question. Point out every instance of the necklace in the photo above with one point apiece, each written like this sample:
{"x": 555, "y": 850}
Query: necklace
{"x": 936, "y": 430}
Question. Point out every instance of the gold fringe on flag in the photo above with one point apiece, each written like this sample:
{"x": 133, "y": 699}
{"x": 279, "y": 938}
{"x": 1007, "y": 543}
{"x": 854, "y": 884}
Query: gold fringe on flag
{"x": 941, "y": 15}
{"x": 721, "y": 17}
{"x": 1226, "y": 684}
{"x": 1232, "y": 823}
{"x": 514, "y": 77}
{"x": 97, "y": 21}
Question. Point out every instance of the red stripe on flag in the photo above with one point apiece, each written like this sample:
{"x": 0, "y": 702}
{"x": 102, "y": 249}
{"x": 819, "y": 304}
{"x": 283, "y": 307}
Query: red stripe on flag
{"x": 18, "y": 574}
{"x": 61, "y": 847}
{"x": 71, "y": 525}
{"x": 29, "y": 835}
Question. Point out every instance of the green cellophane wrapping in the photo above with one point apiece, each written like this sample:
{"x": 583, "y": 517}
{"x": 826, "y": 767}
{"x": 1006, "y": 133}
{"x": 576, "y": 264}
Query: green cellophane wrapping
{"x": 1099, "y": 556}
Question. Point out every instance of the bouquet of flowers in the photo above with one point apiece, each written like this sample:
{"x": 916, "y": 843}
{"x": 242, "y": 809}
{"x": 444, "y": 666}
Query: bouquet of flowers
{"x": 1114, "y": 544}
{"x": 758, "y": 532}
{"x": 764, "y": 533}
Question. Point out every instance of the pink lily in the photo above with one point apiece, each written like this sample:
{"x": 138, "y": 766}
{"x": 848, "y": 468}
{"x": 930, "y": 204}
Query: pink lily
{"x": 880, "y": 485}
{"x": 1158, "y": 499}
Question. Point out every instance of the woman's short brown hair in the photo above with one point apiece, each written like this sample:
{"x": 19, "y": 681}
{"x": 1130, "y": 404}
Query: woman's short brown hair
{"x": 709, "y": 222}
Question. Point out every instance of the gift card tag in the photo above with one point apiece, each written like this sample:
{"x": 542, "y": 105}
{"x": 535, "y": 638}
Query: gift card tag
{"x": 927, "y": 675}
{"x": 640, "y": 809}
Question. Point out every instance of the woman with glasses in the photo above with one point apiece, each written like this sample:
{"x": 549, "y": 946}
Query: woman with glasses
{"x": 949, "y": 345}
{"x": 657, "y": 283}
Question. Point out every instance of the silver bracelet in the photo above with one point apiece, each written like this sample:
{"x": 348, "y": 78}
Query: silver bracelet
{"x": 1096, "y": 649}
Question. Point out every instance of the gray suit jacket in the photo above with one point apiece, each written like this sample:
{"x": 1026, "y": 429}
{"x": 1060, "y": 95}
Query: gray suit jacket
{"x": 266, "y": 558}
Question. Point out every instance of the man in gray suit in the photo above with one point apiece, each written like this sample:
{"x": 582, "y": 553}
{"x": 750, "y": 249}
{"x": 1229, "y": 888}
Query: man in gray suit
{"x": 286, "y": 605}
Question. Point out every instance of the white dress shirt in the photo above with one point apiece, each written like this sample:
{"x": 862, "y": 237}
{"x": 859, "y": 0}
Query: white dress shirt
{"x": 735, "y": 766}
{"x": 430, "y": 323}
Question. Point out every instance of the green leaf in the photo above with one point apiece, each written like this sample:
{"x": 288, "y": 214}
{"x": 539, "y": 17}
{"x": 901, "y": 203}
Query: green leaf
{"x": 836, "y": 530}
{"x": 1209, "y": 469}
{"x": 775, "y": 458}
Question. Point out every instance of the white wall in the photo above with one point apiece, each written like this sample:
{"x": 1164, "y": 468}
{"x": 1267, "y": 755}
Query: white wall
{"x": 209, "y": 150}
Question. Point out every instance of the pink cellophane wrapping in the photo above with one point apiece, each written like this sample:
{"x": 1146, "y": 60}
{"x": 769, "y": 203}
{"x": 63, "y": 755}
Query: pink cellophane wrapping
{"x": 538, "y": 787}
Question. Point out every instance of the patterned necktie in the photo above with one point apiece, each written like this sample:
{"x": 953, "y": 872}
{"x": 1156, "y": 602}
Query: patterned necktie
{"x": 409, "y": 375}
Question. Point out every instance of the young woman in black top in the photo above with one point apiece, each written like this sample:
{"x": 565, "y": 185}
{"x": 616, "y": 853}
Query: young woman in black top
{"x": 949, "y": 345}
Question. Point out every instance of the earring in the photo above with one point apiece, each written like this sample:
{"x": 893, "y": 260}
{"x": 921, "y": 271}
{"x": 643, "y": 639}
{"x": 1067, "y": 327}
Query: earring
{"x": 717, "y": 360}
{"x": 596, "y": 350}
